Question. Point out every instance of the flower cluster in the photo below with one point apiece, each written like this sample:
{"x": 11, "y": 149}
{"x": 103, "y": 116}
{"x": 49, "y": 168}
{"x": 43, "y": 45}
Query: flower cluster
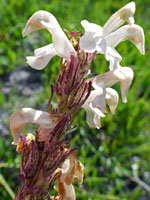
{"x": 46, "y": 155}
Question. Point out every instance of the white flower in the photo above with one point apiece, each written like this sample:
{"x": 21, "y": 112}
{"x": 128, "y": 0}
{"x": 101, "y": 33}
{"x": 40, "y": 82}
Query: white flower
{"x": 24, "y": 116}
{"x": 124, "y": 75}
{"x": 104, "y": 40}
{"x": 95, "y": 105}
{"x": 61, "y": 46}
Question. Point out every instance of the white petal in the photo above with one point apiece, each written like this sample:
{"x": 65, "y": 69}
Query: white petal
{"x": 134, "y": 33}
{"x": 24, "y": 116}
{"x": 92, "y": 96}
{"x": 124, "y": 75}
{"x": 99, "y": 101}
{"x": 44, "y": 50}
{"x": 91, "y": 27}
{"x": 43, "y": 19}
{"x": 42, "y": 56}
{"x": 96, "y": 110}
{"x": 92, "y": 40}
{"x": 113, "y": 57}
{"x": 125, "y": 78}
{"x": 93, "y": 120}
{"x": 112, "y": 99}
{"x": 125, "y": 14}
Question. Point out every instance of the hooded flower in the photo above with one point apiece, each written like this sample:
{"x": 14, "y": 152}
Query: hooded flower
{"x": 94, "y": 110}
{"x": 104, "y": 40}
{"x": 61, "y": 46}
{"x": 123, "y": 75}
{"x": 95, "y": 105}
{"x": 71, "y": 170}
{"x": 24, "y": 116}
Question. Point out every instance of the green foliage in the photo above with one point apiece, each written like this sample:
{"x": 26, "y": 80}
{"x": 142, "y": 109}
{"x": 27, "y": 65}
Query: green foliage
{"x": 110, "y": 153}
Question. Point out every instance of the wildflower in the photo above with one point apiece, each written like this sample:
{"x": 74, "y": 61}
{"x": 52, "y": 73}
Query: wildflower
{"x": 24, "y": 116}
{"x": 95, "y": 105}
{"x": 93, "y": 113}
{"x": 124, "y": 75}
{"x": 104, "y": 40}
{"x": 47, "y": 156}
{"x": 61, "y": 46}
{"x": 71, "y": 170}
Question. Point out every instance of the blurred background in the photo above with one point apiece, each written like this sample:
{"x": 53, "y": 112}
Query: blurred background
{"x": 116, "y": 157}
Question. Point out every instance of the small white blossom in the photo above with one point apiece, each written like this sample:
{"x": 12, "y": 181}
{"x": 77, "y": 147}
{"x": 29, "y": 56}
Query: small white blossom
{"x": 124, "y": 75}
{"x": 104, "y": 40}
{"x": 95, "y": 105}
{"x": 61, "y": 46}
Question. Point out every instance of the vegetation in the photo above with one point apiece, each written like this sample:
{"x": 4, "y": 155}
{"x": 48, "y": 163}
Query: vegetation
{"x": 117, "y": 156}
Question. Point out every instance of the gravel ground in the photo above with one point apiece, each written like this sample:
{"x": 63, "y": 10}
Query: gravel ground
{"x": 21, "y": 88}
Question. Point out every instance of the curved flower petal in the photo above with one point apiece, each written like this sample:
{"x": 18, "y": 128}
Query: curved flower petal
{"x": 93, "y": 120}
{"x": 124, "y": 75}
{"x": 71, "y": 170}
{"x": 43, "y": 19}
{"x": 42, "y": 57}
{"x": 24, "y": 116}
{"x": 113, "y": 57}
{"x": 134, "y": 33}
{"x": 99, "y": 100}
{"x": 92, "y": 39}
{"x": 125, "y": 78}
{"x": 96, "y": 110}
{"x": 112, "y": 99}
{"x": 125, "y": 14}
{"x": 66, "y": 169}
{"x": 65, "y": 192}
{"x": 95, "y": 106}
{"x": 78, "y": 172}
